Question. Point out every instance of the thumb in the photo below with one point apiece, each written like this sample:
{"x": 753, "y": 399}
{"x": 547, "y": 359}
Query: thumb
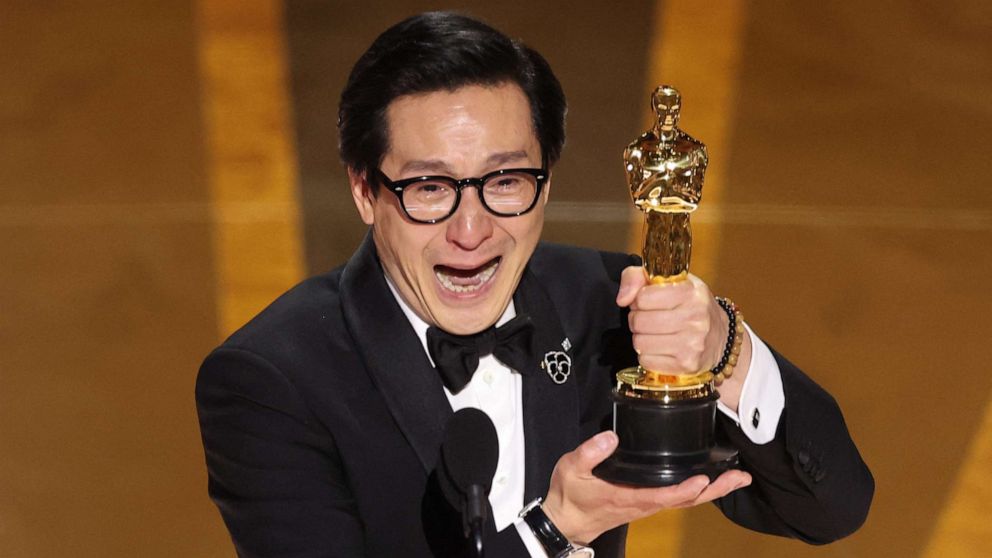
{"x": 631, "y": 281}
{"x": 593, "y": 451}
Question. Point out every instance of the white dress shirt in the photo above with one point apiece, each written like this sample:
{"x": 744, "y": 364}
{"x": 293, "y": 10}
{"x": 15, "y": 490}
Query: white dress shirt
{"x": 496, "y": 390}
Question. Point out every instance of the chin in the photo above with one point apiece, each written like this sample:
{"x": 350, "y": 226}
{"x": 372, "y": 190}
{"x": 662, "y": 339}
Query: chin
{"x": 470, "y": 319}
{"x": 467, "y": 323}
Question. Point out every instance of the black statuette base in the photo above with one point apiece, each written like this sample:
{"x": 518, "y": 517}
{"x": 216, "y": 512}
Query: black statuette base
{"x": 616, "y": 470}
{"x": 662, "y": 444}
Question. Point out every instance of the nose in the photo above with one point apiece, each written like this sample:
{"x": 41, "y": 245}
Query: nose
{"x": 471, "y": 224}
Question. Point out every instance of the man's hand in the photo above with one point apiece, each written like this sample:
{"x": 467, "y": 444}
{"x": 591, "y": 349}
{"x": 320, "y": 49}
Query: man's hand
{"x": 679, "y": 328}
{"x": 583, "y": 506}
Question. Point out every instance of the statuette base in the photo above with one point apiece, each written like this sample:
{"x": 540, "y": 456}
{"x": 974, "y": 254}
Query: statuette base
{"x": 620, "y": 471}
{"x": 666, "y": 434}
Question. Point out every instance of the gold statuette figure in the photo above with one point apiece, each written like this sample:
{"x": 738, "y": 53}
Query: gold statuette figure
{"x": 665, "y": 168}
{"x": 665, "y": 421}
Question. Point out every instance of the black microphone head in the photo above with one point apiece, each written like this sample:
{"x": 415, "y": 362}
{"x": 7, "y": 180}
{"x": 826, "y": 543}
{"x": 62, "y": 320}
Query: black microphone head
{"x": 470, "y": 450}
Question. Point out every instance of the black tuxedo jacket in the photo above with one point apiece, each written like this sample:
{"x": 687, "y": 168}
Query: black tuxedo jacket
{"x": 322, "y": 420}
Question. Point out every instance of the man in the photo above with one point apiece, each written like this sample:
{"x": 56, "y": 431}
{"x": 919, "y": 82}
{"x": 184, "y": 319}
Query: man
{"x": 322, "y": 418}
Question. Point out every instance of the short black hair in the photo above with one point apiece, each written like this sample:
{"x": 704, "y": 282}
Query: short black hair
{"x": 441, "y": 51}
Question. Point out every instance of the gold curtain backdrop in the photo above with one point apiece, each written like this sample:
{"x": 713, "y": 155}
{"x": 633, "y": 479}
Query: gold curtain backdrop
{"x": 167, "y": 168}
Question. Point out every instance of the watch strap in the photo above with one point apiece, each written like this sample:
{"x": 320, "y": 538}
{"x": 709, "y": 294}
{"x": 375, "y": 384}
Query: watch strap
{"x": 553, "y": 541}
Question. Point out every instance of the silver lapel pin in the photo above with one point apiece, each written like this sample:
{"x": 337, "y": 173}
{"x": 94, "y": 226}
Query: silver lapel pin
{"x": 558, "y": 365}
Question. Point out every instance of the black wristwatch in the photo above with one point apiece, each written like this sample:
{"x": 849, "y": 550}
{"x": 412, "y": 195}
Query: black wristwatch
{"x": 554, "y": 543}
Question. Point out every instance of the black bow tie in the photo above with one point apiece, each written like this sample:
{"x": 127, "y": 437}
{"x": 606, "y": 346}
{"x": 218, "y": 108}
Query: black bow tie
{"x": 457, "y": 356}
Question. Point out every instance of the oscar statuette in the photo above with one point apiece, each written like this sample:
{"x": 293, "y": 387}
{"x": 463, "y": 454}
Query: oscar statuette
{"x": 665, "y": 421}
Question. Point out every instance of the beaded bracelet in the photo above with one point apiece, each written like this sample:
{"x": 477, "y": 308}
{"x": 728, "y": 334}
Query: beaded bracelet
{"x": 735, "y": 337}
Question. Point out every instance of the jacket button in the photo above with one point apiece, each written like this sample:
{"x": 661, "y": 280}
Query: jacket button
{"x": 803, "y": 457}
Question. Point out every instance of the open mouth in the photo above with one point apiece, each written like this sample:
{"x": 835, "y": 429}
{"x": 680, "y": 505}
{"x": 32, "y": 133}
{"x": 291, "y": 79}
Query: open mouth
{"x": 466, "y": 280}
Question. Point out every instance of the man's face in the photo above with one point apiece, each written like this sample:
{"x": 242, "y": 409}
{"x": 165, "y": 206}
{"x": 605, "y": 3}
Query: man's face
{"x": 461, "y": 273}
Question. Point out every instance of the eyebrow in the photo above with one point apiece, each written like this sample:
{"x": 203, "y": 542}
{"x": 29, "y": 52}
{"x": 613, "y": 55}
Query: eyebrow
{"x": 440, "y": 167}
{"x": 497, "y": 159}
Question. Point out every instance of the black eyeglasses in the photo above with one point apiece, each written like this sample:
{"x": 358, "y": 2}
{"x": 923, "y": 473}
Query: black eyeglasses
{"x": 432, "y": 199}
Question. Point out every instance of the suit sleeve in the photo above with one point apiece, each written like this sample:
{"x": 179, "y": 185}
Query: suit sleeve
{"x": 809, "y": 482}
{"x": 273, "y": 470}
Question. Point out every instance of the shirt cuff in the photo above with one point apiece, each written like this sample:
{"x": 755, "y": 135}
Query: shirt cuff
{"x": 534, "y": 548}
{"x": 762, "y": 397}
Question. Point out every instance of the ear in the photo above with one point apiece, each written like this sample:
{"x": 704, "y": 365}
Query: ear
{"x": 546, "y": 191}
{"x": 361, "y": 192}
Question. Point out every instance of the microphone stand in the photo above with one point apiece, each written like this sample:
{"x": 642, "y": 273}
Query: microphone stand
{"x": 475, "y": 518}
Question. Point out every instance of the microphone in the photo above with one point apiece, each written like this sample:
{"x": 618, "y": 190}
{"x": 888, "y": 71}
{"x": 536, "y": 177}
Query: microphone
{"x": 469, "y": 455}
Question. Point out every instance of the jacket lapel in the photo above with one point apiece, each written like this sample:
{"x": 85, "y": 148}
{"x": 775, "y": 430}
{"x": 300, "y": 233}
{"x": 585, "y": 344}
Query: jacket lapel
{"x": 551, "y": 410}
{"x": 401, "y": 371}
{"x": 396, "y": 360}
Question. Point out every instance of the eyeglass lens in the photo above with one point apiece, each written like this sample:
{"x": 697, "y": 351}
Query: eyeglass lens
{"x": 505, "y": 194}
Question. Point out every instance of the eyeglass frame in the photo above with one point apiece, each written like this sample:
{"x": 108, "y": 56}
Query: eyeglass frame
{"x": 398, "y": 186}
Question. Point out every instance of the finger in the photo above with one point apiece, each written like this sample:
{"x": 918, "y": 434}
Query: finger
{"x": 681, "y": 345}
{"x": 725, "y": 484}
{"x": 671, "y": 365}
{"x": 593, "y": 451}
{"x": 663, "y": 296}
{"x": 678, "y": 352}
{"x": 658, "y": 345}
{"x": 657, "y": 321}
{"x": 737, "y": 477}
{"x": 679, "y": 494}
{"x": 700, "y": 286}
{"x": 632, "y": 280}
{"x": 665, "y": 496}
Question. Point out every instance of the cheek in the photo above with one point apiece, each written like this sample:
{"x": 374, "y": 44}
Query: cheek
{"x": 525, "y": 236}
{"x": 530, "y": 231}
{"x": 408, "y": 244}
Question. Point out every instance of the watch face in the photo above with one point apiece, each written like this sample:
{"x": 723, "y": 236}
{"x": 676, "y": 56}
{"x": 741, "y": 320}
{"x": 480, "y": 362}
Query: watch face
{"x": 584, "y": 552}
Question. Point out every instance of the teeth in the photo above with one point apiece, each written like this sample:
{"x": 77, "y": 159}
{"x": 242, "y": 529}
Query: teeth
{"x": 478, "y": 280}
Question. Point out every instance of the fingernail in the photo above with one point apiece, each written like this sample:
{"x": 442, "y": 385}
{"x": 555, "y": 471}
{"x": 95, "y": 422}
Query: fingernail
{"x": 604, "y": 440}
{"x": 624, "y": 289}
